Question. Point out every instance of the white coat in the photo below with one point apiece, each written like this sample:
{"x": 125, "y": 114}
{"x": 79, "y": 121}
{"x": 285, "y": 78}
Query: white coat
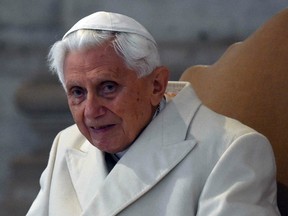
{"x": 188, "y": 161}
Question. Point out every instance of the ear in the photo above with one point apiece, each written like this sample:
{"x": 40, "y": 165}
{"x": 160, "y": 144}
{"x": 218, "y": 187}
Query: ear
{"x": 160, "y": 79}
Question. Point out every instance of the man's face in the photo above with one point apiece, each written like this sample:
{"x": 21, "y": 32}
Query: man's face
{"x": 109, "y": 103}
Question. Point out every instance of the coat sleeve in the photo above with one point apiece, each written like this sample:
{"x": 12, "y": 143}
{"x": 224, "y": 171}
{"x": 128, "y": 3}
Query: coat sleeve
{"x": 40, "y": 206}
{"x": 243, "y": 180}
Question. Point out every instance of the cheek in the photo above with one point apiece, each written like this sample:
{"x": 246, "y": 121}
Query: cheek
{"x": 142, "y": 105}
{"x": 136, "y": 113}
{"x": 77, "y": 114}
{"x": 134, "y": 107}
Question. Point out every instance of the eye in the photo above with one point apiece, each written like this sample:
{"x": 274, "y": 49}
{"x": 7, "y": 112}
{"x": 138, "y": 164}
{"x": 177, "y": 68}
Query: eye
{"x": 108, "y": 88}
{"x": 77, "y": 92}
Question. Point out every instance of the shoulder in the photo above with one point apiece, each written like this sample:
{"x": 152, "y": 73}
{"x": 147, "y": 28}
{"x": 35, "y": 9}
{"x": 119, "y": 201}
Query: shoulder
{"x": 203, "y": 123}
{"x": 210, "y": 121}
{"x": 227, "y": 142}
{"x": 220, "y": 132}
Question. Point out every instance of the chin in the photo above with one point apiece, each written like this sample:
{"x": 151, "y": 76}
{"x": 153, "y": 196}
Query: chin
{"x": 109, "y": 148}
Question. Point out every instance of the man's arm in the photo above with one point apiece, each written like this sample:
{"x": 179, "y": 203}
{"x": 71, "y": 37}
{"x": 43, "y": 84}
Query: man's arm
{"x": 243, "y": 181}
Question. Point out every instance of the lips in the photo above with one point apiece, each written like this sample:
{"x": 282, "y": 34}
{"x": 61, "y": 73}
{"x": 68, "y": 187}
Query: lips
{"x": 102, "y": 128}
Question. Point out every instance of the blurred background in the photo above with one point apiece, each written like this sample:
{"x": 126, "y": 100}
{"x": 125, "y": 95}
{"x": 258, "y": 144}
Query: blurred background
{"x": 32, "y": 104}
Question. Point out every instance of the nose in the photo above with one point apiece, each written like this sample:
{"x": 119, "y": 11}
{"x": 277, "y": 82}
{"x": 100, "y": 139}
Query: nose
{"x": 94, "y": 107}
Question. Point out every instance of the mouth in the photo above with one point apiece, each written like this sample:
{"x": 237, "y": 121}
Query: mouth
{"x": 102, "y": 128}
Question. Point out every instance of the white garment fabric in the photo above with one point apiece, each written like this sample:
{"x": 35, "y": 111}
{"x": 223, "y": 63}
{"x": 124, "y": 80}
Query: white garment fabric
{"x": 188, "y": 161}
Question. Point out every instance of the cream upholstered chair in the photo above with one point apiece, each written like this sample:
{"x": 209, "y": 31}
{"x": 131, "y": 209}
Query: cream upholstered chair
{"x": 250, "y": 83}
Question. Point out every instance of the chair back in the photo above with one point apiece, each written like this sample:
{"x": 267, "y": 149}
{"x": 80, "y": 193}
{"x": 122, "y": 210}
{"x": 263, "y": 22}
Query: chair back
{"x": 250, "y": 83}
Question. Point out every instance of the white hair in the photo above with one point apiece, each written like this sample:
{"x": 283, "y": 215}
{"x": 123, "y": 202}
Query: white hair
{"x": 139, "y": 54}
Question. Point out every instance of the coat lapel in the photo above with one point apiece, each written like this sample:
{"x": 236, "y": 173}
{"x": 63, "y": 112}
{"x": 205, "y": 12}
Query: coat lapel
{"x": 87, "y": 171}
{"x": 155, "y": 153}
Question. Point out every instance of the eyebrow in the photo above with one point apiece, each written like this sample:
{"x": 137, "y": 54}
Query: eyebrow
{"x": 70, "y": 84}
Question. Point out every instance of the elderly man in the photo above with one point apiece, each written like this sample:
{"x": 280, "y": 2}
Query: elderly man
{"x": 140, "y": 147}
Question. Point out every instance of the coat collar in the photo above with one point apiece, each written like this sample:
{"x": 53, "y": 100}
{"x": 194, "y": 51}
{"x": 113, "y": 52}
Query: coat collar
{"x": 156, "y": 151}
{"x": 87, "y": 170}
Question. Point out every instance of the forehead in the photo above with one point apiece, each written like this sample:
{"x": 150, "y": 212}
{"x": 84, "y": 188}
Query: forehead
{"x": 86, "y": 58}
{"x": 101, "y": 60}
